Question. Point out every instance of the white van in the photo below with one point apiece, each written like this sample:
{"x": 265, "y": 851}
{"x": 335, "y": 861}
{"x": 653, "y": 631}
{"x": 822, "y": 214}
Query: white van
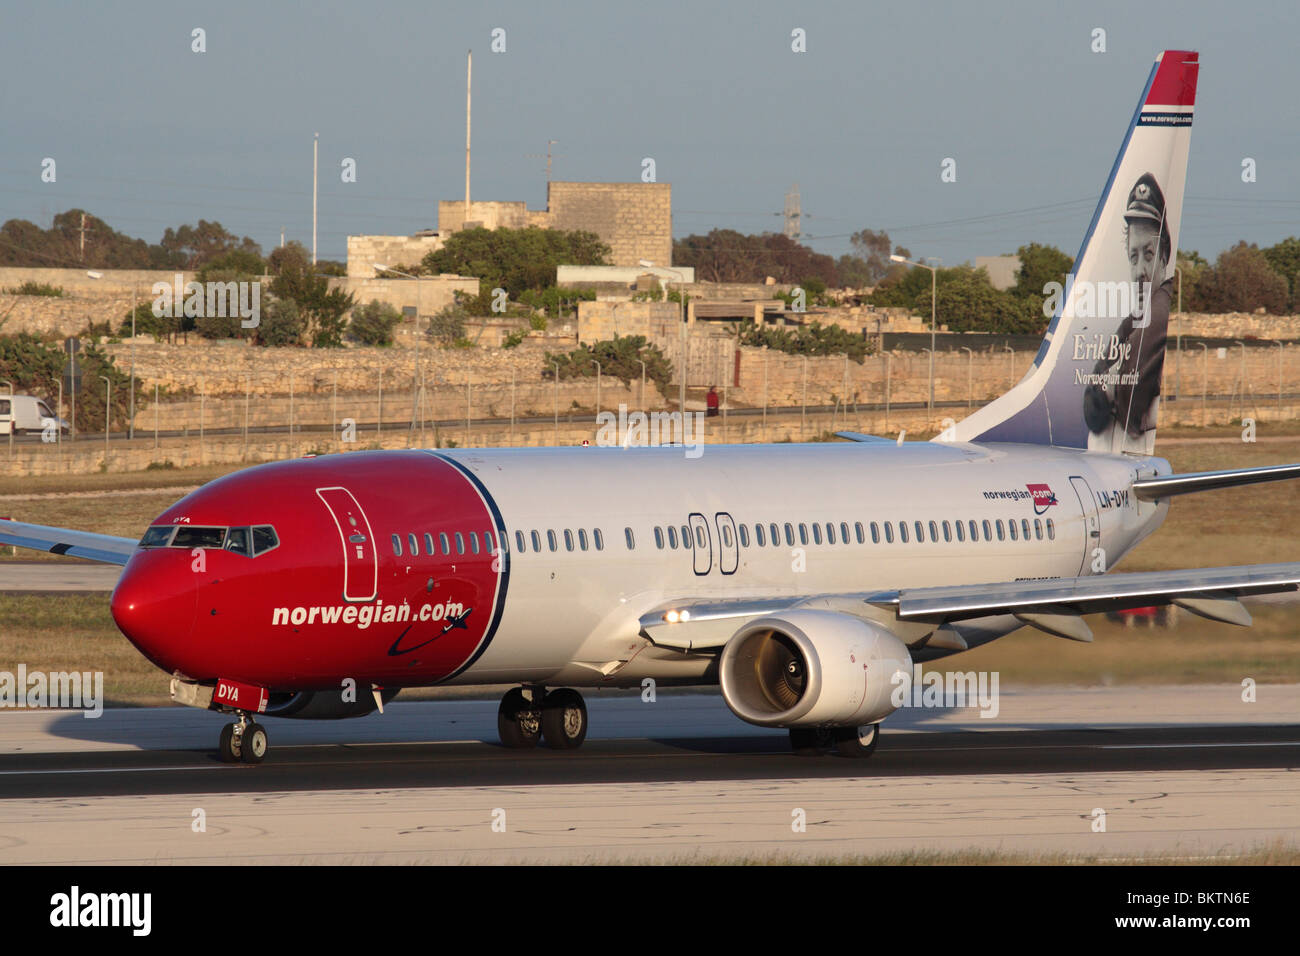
{"x": 26, "y": 413}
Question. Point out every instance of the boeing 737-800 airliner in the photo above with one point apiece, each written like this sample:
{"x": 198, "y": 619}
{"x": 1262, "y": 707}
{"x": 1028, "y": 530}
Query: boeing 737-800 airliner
{"x": 273, "y": 590}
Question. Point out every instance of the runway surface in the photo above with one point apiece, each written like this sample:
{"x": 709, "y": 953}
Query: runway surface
{"x": 1192, "y": 770}
{"x": 19, "y": 577}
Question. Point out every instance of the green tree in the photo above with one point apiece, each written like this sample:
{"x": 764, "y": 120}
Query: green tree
{"x": 447, "y": 327}
{"x": 1284, "y": 257}
{"x": 967, "y": 302}
{"x": 196, "y": 246}
{"x": 619, "y": 357}
{"x": 725, "y": 255}
{"x": 1040, "y": 265}
{"x": 324, "y": 309}
{"x": 373, "y": 323}
{"x": 811, "y": 339}
{"x": 282, "y": 324}
{"x": 35, "y": 366}
{"x": 515, "y": 259}
{"x": 1243, "y": 280}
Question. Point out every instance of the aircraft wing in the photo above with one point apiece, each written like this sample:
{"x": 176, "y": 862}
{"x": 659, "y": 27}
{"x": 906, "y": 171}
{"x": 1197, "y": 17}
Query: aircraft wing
{"x": 1053, "y": 605}
{"x": 104, "y": 548}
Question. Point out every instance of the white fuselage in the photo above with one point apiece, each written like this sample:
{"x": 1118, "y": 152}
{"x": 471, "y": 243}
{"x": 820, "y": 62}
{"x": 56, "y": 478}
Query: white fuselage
{"x": 571, "y": 616}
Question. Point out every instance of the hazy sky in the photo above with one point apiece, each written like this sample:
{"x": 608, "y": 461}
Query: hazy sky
{"x": 148, "y": 134}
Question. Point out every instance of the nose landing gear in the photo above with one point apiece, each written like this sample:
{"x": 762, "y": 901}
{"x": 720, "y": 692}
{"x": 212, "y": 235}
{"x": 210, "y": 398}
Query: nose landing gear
{"x": 528, "y": 715}
{"x": 244, "y": 741}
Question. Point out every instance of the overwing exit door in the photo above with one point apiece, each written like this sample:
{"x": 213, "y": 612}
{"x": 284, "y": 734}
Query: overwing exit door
{"x": 360, "y": 560}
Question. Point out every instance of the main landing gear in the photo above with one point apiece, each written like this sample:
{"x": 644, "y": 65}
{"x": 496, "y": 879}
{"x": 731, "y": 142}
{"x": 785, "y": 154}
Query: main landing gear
{"x": 848, "y": 741}
{"x": 243, "y": 740}
{"x": 528, "y": 715}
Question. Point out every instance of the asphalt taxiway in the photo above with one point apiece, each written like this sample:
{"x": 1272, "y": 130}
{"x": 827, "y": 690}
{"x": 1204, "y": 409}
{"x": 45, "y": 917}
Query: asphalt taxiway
{"x": 1190, "y": 770}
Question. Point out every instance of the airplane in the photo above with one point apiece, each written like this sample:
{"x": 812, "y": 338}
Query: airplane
{"x": 802, "y": 579}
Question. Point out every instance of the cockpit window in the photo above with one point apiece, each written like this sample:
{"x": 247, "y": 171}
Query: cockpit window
{"x": 188, "y": 536}
{"x": 264, "y": 539}
{"x": 246, "y": 541}
{"x": 157, "y": 536}
{"x": 239, "y": 541}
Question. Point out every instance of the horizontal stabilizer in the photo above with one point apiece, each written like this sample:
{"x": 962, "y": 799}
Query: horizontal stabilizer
{"x": 1166, "y": 486}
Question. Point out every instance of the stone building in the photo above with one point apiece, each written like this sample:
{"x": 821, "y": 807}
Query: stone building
{"x": 635, "y": 219}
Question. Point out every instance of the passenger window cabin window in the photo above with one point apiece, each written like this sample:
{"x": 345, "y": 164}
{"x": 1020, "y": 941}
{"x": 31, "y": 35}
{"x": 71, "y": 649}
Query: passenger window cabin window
{"x": 902, "y": 532}
{"x": 961, "y": 531}
{"x": 659, "y": 537}
{"x": 857, "y": 529}
{"x": 551, "y": 540}
{"x": 830, "y": 533}
{"x": 428, "y": 544}
{"x": 758, "y": 535}
{"x": 415, "y": 546}
{"x": 934, "y": 532}
{"x": 444, "y": 543}
{"x": 700, "y": 540}
{"x": 1001, "y": 536}
{"x": 519, "y": 542}
{"x": 672, "y": 537}
{"x": 875, "y": 533}
{"x": 1011, "y": 528}
{"x": 460, "y": 543}
{"x": 397, "y": 546}
{"x": 537, "y": 541}
{"x": 776, "y": 534}
{"x": 686, "y": 536}
{"x": 974, "y": 530}
{"x": 803, "y": 533}
{"x": 1051, "y": 530}
{"x": 947, "y": 531}
{"x": 1038, "y": 529}
{"x": 789, "y": 534}
{"x": 988, "y": 531}
{"x": 817, "y": 533}
{"x": 1024, "y": 528}
{"x": 726, "y": 536}
{"x": 582, "y": 539}
{"x": 473, "y": 542}
{"x": 629, "y": 538}
{"x": 744, "y": 536}
{"x": 889, "y": 532}
{"x": 598, "y": 538}
{"x": 568, "y": 540}
{"x": 844, "y": 532}
{"x": 920, "y": 532}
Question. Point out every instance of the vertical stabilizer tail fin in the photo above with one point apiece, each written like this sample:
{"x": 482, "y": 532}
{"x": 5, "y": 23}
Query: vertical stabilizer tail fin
{"x": 1095, "y": 382}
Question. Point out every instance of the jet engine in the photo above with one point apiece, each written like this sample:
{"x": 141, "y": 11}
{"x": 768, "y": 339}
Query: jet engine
{"x": 806, "y": 668}
{"x": 324, "y": 704}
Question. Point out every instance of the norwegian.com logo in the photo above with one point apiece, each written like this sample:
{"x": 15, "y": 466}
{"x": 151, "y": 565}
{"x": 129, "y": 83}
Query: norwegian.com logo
{"x": 1043, "y": 497}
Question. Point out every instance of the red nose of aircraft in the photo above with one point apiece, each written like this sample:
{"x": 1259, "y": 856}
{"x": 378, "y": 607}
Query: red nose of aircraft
{"x": 154, "y": 605}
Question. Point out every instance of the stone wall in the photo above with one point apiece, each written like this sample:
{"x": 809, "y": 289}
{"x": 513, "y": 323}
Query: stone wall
{"x": 1235, "y": 325}
{"x": 393, "y": 251}
{"x": 634, "y": 218}
{"x": 427, "y": 296}
{"x": 226, "y": 368}
{"x": 777, "y": 379}
{"x": 488, "y": 215}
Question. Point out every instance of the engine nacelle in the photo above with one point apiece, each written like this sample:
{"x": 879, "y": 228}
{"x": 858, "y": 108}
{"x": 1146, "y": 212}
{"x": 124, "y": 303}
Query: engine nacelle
{"x": 324, "y": 704}
{"x": 812, "y": 669}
